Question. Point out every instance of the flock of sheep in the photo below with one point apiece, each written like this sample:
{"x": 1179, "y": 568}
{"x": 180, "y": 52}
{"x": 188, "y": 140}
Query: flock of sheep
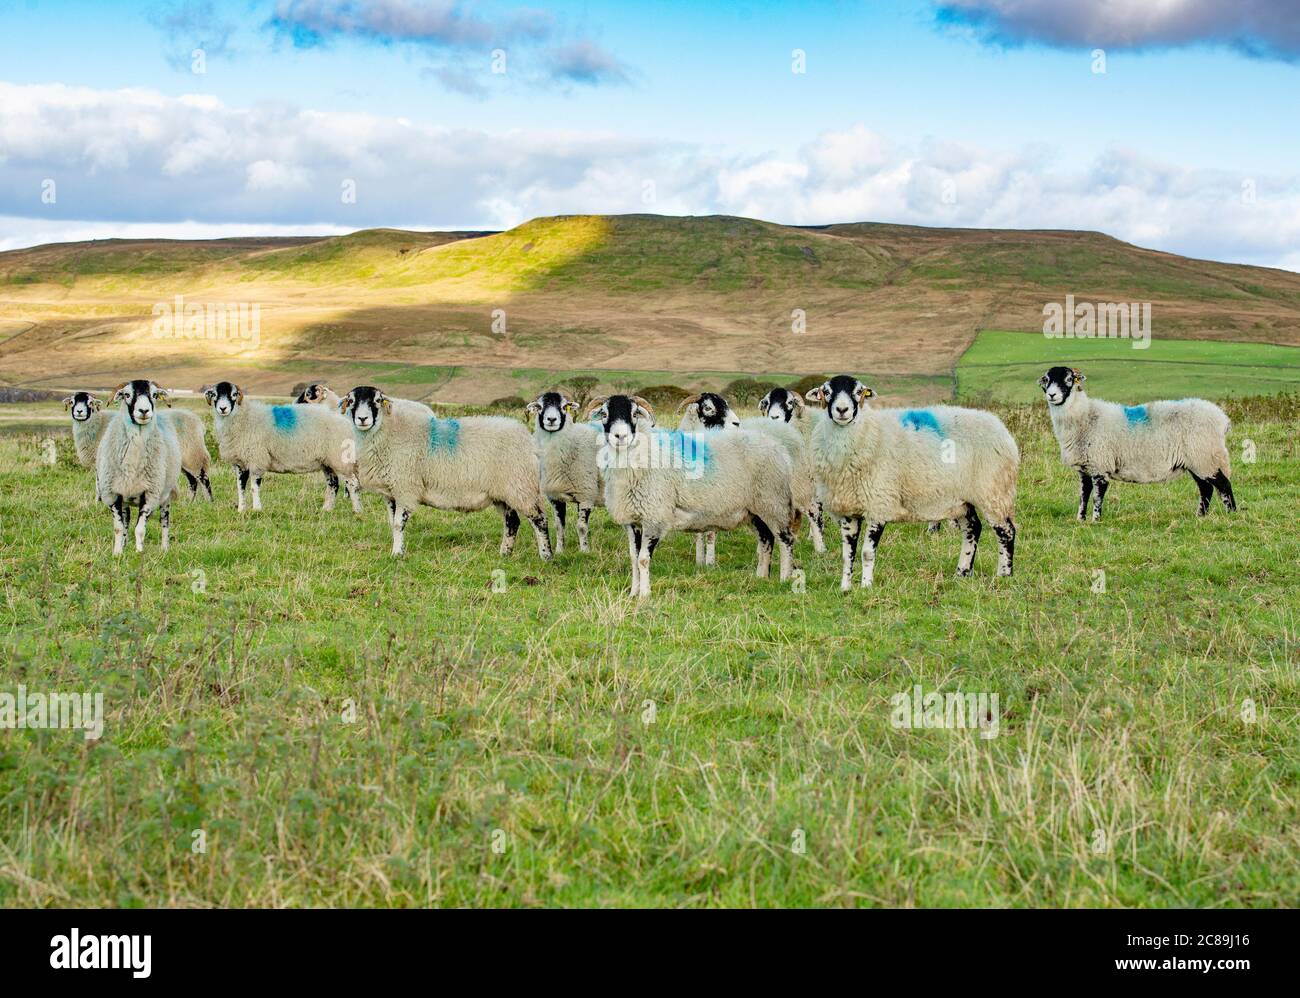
{"x": 866, "y": 466}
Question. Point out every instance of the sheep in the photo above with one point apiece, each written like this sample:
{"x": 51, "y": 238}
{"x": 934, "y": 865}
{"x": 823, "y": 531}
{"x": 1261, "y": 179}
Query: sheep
{"x": 786, "y": 407}
{"x": 414, "y": 458}
{"x": 657, "y": 481}
{"x": 257, "y": 438}
{"x": 89, "y": 423}
{"x": 1105, "y": 441}
{"x": 706, "y": 411}
{"x": 887, "y": 465}
{"x": 318, "y": 394}
{"x": 567, "y": 454}
{"x": 138, "y": 463}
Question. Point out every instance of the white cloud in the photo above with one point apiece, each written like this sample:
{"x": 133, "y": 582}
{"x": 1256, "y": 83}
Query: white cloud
{"x": 133, "y": 158}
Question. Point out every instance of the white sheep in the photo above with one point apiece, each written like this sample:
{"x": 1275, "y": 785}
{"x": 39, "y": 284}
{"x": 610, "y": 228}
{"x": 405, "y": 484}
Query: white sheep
{"x": 706, "y": 411}
{"x": 138, "y": 463}
{"x": 567, "y": 454}
{"x": 412, "y": 457}
{"x": 287, "y": 439}
{"x": 887, "y": 465}
{"x": 784, "y": 407}
{"x": 1154, "y": 442}
{"x": 657, "y": 481}
{"x": 89, "y": 423}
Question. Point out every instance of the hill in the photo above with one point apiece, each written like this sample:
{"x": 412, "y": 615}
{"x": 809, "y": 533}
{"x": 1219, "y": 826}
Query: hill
{"x": 470, "y": 316}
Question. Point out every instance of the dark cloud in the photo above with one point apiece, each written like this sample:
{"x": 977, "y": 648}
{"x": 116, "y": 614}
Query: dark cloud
{"x": 1263, "y": 29}
{"x": 585, "y": 62}
{"x": 427, "y": 22}
{"x": 190, "y": 25}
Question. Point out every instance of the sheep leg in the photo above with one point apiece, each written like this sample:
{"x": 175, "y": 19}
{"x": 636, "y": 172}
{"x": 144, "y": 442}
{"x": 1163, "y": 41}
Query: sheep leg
{"x": 872, "y": 541}
{"x": 241, "y": 480}
{"x": 207, "y": 485}
{"x": 816, "y": 527}
{"x": 257, "y": 492}
{"x": 141, "y": 523}
{"x": 648, "y": 544}
{"x": 699, "y": 549}
{"x": 1207, "y": 493}
{"x": 711, "y": 548}
{"x": 331, "y": 490}
{"x": 850, "y": 528}
{"x": 765, "y": 538}
{"x": 786, "y": 539}
{"x": 193, "y": 482}
{"x": 353, "y": 489}
{"x": 1006, "y": 545}
{"x": 1101, "y": 483}
{"x": 165, "y": 521}
{"x": 584, "y": 514}
{"x": 934, "y": 527}
{"x": 633, "y": 549}
{"x": 400, "y": 515}
{"x": 542, "y": 529}
{"x": 971, "y": 528}
{"x": 392, "y": 511}
{"x": 561, "y": 511}
{"x": 510, "y": 527}
{"x": 121, "y": 521}
{"x": 1224, "y": 487}
{"x": 1085, "y": 493}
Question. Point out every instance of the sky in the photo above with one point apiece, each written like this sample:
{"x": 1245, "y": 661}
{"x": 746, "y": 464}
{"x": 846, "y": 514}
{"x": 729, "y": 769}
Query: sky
{"x": 1167, "y": 123}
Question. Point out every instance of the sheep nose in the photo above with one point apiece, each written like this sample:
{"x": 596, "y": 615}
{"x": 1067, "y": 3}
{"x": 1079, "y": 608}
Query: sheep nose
{"x": 842, "y": 410}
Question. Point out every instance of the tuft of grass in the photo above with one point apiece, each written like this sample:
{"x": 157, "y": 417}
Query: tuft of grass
{"x": 342, "y": 728}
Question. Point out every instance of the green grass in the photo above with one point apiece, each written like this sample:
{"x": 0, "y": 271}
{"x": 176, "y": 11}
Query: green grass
{"x": 522, "y": 718}
{"x": 1006, "y": 366}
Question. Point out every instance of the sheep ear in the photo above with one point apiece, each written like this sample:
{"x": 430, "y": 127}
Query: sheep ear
{"x": 569, "y": 405}
{"x": 239, "y": 395}
{"x": 160, "y": 395}
{"x": 386, "y": 404}
{"x": 95, "y": 404}
{"x": 1079, "y": 376}
{"x": 67, "y": 402}
{"x": 688, "y": 401}
{"x": 816, "y": 395}
{"x": 765, "y": 403}
{"x": 533, "y": 407}
{"x": 209, "y": 392}
{"x": 798, "y": 399}
{"x": 597, "y": 404}
{"x": 119, "y": 393}
{"x": 346, "y": 403}
{"x": 864, "y": 393}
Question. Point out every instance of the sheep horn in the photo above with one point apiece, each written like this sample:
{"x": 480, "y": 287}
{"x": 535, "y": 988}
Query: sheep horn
{"x": 689, "y": 400}
{"x": 595, "y": 404}
{"x": 643, "y": 404}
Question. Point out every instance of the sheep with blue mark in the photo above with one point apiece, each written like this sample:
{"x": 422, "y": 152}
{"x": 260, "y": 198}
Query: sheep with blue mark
{"x": 285, "y": 439}
{"x": 1155, "y": 442}
{"x": 413, "y": 458}
{"x": 706, "y": 411}
{"x": 138, "y": 463}
{"x": 657, "y": 481}
{"x": 568, "y": 462}
{"x": 881, "y": 466}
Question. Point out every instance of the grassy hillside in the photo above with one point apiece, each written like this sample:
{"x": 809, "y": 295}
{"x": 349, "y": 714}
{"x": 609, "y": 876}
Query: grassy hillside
{"x": 685, "y": 298}
{"x": 1006, "y": 366}
{"x": 349, "y": 729}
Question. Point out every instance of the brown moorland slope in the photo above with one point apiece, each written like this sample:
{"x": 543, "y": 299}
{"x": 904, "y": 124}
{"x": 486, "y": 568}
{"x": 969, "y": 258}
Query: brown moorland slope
{"x": 457, "y": 315}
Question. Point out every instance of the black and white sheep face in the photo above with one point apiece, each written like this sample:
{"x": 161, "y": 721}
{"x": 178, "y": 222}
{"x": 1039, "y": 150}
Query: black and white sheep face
{"x": 622, "y": 416}
{"x": 714, "y": 411}
{"x": 843, "y": 396}
{"x": 313, "y": 394}
{"x": 366, "y": 406}
{"x": 81, "y": 405}
{"x": 552, "y": 411}
{"x": 140, "y": 399}
{"x": 1058, "y": 383}
{"x": 224, "y": 397}
{"x": 781, "y": 404}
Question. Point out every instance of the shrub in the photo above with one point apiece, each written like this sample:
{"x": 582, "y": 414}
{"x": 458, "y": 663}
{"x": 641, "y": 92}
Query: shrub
{"x": 746, "y": 391}
{"x": 807, "y": 383}
{"x": 665, "y": 397}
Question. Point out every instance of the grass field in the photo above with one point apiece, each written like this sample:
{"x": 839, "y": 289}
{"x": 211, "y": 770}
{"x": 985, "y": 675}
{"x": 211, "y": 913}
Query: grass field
{"x": 343, "y": 728}
{"x": 1006, "y": 366}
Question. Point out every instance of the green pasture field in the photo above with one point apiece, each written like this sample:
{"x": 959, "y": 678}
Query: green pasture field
{"x": 292, "y": 717}
{"x": 1006, "y": 366}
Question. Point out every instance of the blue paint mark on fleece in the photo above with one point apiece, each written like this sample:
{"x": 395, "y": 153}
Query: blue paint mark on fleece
{"x": 675, "y": 449}
{"x": 285, "y": 416}
{"x": 919, "y": 419}
{"x": 444, "y": 434}
{"x": 1136, "y": 414}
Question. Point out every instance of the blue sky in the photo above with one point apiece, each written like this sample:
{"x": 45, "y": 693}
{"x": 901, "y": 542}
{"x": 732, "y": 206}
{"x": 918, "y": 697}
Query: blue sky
{"x": 972, "y": 112}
